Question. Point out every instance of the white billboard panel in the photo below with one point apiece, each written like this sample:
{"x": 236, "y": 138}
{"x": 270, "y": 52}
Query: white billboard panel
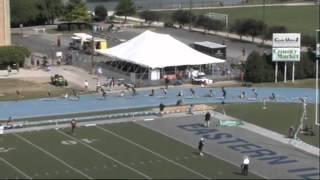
{"x": 286, "y": 40}
{"x": 286, "y": 54}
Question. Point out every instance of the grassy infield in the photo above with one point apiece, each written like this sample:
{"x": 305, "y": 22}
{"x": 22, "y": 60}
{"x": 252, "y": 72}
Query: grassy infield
{"x": 301, "y": 19}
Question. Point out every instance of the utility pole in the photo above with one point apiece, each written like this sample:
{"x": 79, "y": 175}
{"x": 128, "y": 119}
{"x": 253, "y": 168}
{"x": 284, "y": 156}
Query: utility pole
{"x": 92, "y": 48}
{"x": 317, "y": 77}
{"x": 190, "y": 15}
{"x": 263, "y": 20}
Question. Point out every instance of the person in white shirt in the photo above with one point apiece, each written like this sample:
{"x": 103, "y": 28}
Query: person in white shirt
{"x": 245, "y": 166}
{"x": 86, "y": 84}
{"x": 98, "y": 86}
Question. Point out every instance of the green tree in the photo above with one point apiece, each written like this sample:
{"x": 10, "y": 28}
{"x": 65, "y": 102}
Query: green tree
{"x": 306, "y": 67}
{"x": 250, "y": 27}
{"x": 76, "y": 10}
{"x": 125, "y": 8}
{"x": 10, "y": 55}
{"x": 23, "y": 12}
{"x": 275, "y": 29}
{"x": 257, "y": 69}
{"x": 34, "y": 12}
{"x": 202, "y": 21}
{"x": 149, "y": 16}
{"x": 254, "y": 27}
{"x": 239, "y": 28}
{"x": 183, "y": 17}
{"x": 100, "y": 12}
{"x": 50, "y": 9}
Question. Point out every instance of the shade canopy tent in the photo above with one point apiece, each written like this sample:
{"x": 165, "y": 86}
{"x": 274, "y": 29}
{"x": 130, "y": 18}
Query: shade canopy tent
{"x": 153, "y": 50}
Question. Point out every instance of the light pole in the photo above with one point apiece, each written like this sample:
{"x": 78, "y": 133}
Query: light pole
{"x": 190, "y": 14}
{"x": 317, "y": 77}
{"x": 263, "y": 20}
{"x": 92, "y": 46}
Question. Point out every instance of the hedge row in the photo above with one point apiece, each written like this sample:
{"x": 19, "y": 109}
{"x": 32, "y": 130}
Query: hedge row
{"x": 10, "y": 55}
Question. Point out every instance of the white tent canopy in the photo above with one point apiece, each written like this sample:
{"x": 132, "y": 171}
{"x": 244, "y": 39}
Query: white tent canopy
{"x": 154, "y": 50}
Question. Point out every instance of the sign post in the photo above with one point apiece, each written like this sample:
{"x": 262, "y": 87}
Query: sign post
{"x": 293, "y": 68}
{"x": 285, "y": 72}
{"x": 317, "y": 77}
{"x": 276, "y": 73}
{"x": 286, "y": 48}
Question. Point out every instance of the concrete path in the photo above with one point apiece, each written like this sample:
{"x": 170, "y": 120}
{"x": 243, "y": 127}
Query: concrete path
{"x": 269, "y": 158}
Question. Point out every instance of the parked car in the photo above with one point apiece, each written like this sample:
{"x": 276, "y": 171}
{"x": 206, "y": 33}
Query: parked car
{"x": 201, "y": 80}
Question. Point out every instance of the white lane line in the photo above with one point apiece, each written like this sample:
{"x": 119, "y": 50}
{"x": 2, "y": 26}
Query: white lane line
{"x": 157, "y": 154}
{"x": 53, "y": 156}
{"x": 15, "y": 168}
{"x": 105, "y": 155}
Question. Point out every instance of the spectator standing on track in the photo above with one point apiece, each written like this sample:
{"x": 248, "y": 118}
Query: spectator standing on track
{"x": 75, "y": 94}
{"x": 98, "y": 86}
{"x": 207, "y": 118}
{"x": 161, "y": 108}
{"x": 99, "y": 71}
{"x": 9, "y": 121}
{"x": 104, "y": 94}
{"x": 9, "y": 69}
{"x": 224, "y": 92}
{"x": 193, "y": 92}
{"x": 210, "y": 93}
{"x": 200, "y": 146}
{"x": 245, "y": 166}
{"x": 18, "y": 94}
{"x": 273, "y": 97}
{"x": 134, "y": 92}
{"x": 49, "y": 94}
{"x": 190, "y": 111}
{"x": 73, "y": 125}
{"x": 167, "y": 81}
{"x": 164, "y": 91}
{"x": 180, "y": 94}
{"x": 152, "y": 92}
{"x": 86, "y": 84}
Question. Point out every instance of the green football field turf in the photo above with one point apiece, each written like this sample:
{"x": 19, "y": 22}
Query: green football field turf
{"x": 277, "y": 117}
{"x": 124, "y": 150}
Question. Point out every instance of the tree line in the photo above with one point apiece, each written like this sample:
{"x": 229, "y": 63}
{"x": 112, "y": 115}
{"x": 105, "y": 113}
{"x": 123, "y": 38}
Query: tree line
{"x": 260, "y": 68}
{"x": 41, "y": 12}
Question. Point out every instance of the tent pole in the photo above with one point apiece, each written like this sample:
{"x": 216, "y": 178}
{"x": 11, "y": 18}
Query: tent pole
{"x": 124, "y": 65}
{"x": 138, "y": 67}
{"x": 212, "y": 71}
{"x": 141, "y": 77}
{"x": 129, "y": 69}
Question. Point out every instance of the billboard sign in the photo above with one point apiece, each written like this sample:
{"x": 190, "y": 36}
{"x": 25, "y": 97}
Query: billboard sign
{"x": 286, "y": 40}
{"x": 286, "y": 54}
{"x": 286, "y": 47}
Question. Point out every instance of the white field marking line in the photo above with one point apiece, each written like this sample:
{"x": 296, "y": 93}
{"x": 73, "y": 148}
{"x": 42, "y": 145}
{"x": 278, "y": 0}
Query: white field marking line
{"x": 15, "y": 168}
{"x": 214, "y": 155}
{"x": 105, "y": 155}
{"x": 53, "y": 156}
{"x": 157, "y": 154}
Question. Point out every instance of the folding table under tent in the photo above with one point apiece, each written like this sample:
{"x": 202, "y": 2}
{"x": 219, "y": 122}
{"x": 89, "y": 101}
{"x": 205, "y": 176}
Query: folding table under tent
{"x": 155, "y": 52}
